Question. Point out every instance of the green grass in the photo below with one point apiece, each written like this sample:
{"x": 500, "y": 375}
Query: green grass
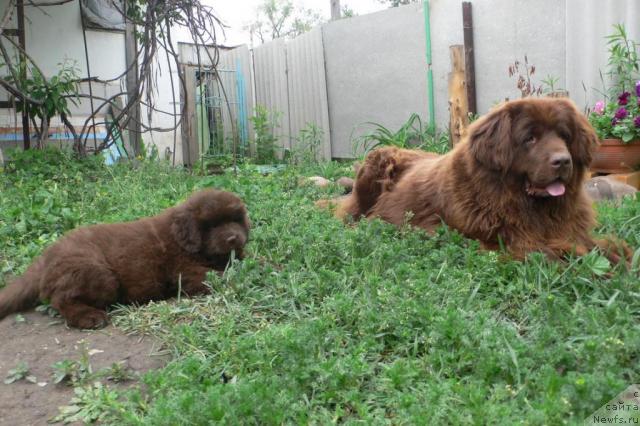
{"x": 325, "y": 323}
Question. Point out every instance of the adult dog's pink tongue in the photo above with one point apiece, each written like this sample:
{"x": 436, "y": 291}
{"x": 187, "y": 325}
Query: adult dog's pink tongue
{"x": 556, "y": 189}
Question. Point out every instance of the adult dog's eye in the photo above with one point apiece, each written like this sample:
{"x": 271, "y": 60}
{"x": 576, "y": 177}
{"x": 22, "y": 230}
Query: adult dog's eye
{"x": 530, "y": 140}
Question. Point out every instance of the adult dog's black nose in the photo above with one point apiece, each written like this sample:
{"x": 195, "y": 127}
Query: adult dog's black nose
{"x": 560, "y": 160}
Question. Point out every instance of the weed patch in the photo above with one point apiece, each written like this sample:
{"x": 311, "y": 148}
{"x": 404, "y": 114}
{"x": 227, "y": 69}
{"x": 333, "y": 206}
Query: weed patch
{"x": 326, "y": 323}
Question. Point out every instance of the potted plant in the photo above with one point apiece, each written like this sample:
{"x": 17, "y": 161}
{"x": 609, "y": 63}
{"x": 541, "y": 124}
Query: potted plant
{"x": 617, "y": 119}
{"x": 618, "y": 127}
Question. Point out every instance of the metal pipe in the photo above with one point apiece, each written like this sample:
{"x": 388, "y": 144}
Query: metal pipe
{"x": 86, "y": 57}
{"x": 430, "y": 92}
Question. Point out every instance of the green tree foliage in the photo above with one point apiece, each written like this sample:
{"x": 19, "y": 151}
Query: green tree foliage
{"x": 280, "y": 18}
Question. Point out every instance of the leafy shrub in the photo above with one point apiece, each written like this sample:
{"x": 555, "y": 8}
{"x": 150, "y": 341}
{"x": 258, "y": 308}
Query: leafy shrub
{"x": 266, "y": 143}
{"x": 412, "y": 134}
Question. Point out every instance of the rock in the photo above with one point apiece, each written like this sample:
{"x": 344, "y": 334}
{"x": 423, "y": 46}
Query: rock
{"x": 319, "y": 181}
{"x": 602, "y": 188}
{"x": 346, "y": 183}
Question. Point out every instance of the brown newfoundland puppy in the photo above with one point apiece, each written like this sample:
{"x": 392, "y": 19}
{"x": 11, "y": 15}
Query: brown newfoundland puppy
{"x": 516, "y": 180}
{"x": 153, "y": 258}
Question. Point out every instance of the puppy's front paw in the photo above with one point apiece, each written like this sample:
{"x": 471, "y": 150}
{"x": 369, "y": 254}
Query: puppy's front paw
{"x": 89, "y": 320}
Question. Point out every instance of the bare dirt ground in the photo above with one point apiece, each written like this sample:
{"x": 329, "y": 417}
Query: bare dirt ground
{"x": 40, "y": 344}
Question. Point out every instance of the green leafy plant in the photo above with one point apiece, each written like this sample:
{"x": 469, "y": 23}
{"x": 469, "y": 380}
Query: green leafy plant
{"x": 282, "y": 18}
{"x": 73, "y": 372}
{"x": 90, "y": 404}
{"x": 623, "y": 65}
{"x": 216, "y": 164}
{"x": 550, "y": 84}
{"x": 46, "y": 309}
{"x": 20, "y": 372}
{"x": 412, "y": 134}
{"x": 53, "y": 94}
{"x": 264, "y": 125}
{"x": 308, "y": 144}
{"x": 118, "y": 372}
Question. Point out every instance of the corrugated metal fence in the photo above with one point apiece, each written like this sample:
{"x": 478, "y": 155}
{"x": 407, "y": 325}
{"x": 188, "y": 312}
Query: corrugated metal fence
{"x": 290, "y": 81}
{"x": 270, "y": 77}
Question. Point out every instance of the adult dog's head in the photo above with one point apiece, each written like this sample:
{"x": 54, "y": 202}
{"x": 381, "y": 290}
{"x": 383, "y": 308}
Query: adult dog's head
{"x": 211, "y": 224}
{"x": 545, "y": 144}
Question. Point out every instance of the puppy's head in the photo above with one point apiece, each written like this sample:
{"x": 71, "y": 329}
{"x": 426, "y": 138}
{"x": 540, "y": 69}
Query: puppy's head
{"x": 545, "y": 142}
{"x": 211, "y": 224}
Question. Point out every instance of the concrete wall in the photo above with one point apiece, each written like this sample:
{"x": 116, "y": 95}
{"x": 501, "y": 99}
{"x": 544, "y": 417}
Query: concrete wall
{"x": 376, "y": 64}
{"x": 376, "y": 71}
{"x": 504, "y": 31}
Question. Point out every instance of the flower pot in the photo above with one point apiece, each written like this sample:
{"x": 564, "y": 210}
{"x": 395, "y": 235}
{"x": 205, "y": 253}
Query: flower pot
{"x": 613, "y": 156}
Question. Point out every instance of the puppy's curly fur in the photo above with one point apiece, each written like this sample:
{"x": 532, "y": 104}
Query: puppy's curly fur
{"x": 94, "y": 267}
{"x": 517, "y": 180}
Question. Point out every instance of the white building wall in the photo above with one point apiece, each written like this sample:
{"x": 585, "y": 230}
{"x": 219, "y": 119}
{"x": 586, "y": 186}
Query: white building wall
{"x": 587, "y": 24}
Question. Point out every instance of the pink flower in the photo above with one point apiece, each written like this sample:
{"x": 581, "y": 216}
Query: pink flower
{"x": 623, "y": 99}
{"x": 638, "y": 88}
{"x": 636, "y": 121}
{"x": 599, "y": 107}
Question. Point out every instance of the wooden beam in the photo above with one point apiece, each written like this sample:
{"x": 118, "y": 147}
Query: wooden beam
{"x": 190, "y": 145}
{"x": 469, "y": 56}
{"x": 458, "y": 107}
{"x": 131, "y": 57}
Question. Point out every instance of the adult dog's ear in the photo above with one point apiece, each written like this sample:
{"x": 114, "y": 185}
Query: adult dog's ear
{"x": 185, "y": 230}
{"x": 585, "y": 140}
{"x": 490, "y": 139}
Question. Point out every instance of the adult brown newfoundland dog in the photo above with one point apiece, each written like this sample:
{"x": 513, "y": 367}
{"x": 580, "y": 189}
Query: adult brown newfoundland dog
{"x": 515, "y": 181}
{"x": 153, "y": 258}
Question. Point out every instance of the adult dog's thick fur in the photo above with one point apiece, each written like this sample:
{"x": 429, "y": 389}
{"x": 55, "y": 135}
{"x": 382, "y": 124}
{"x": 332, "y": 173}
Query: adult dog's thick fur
{"x": 94, "y": 267}
{"x": 516, "y": 180}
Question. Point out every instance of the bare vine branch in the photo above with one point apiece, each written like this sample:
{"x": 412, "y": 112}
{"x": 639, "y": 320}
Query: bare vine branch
{"x": 154, "y": 22}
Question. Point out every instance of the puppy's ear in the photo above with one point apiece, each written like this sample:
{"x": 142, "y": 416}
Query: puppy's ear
{"x": 585, "y": 140}
{"x": 490, "y": 139}
{"x": 185, "y": 230}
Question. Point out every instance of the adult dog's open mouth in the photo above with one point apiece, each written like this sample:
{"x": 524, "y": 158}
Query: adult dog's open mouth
{"x": 553, "y": 189}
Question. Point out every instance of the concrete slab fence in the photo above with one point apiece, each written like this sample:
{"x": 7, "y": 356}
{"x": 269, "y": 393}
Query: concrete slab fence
{"x": 372, "y": 68}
